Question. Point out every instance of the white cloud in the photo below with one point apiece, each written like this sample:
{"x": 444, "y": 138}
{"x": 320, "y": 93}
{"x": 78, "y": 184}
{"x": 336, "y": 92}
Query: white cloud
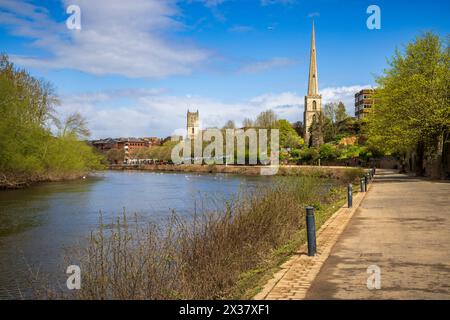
{"x": 127, "y": 40}
{"x": 261, "y": 66}
{"x": 344, "y": 94}
{"x": 153, "y": 112}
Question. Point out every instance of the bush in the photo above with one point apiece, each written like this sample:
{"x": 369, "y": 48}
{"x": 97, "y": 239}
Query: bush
{"x": 201, "y": 258}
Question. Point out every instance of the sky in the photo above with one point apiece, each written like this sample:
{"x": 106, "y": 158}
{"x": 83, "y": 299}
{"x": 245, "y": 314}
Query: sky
{"x": 135, "y": 67}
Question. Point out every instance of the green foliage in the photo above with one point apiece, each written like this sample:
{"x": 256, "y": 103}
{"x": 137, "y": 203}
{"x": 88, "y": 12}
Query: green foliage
{"x": 29, "y": 151}
{"x": 412, "y": 105}
{"x": 329, "y": 152}
{"x": 289, "y": 138}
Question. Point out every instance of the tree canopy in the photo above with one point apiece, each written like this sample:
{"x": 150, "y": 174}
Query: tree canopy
{"x": 412, "y": 109}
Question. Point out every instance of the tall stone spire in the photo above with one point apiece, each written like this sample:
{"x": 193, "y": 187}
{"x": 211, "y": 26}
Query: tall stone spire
{"x": 313, "y": 100}
{"x": 313, "y": 87}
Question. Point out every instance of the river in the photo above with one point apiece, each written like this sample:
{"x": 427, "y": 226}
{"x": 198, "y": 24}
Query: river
{"x": 37, "y": 223}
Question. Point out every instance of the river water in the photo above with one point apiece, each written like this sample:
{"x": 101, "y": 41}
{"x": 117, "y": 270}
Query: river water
{"x": 37, "y": 223}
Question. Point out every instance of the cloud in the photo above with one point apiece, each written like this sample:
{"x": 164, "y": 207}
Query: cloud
{"x": 154, "y": 112}
{"x": 261, "y": 66}
{"x": 129, "y": 40}
{"x": 346, "y": 94}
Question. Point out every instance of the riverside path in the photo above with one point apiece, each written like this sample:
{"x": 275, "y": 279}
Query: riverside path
{"x": 401, "y": 228}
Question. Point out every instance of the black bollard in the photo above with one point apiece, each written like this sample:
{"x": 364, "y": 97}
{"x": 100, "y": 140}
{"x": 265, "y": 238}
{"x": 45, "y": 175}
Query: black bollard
{"x": 350, "y": 195}
{"x": 361, "y": 185}
{"x": 366, "y": 182}
{"x": 311, "y": 231}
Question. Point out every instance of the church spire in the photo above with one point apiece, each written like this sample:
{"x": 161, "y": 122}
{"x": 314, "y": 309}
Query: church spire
{"x": 313, "y": 87}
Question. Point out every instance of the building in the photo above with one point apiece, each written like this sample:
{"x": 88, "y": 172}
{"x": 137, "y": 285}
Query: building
{"x": 313, "y": 100}
{"x": 363, "y": 102}
{"x": 193, "y": 124}
{"x": 130, "y": 146}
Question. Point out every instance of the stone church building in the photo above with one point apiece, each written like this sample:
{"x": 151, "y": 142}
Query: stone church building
{"x": 193, "y": 124}
{"x": 313, "y": 100}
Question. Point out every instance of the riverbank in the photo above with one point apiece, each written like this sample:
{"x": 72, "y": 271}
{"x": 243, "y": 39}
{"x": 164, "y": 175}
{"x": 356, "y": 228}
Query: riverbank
{"x": 332, "y": 172}
{"x": 18, "y": 181}
{"x": 211, "y": 255}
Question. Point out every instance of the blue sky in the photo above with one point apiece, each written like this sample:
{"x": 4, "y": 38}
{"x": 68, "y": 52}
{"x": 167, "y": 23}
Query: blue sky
{"x": 135, "y": 67}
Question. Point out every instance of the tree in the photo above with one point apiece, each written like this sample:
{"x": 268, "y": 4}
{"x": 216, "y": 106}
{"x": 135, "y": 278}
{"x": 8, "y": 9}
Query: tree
{"x": 229, "y": 125}
{"x": 411, "y": 110}
{"x": 115, "y": 156}
{"x": 334, "y": 114}
{"x": 341, "y": 114}
{"x": 266, "y": 119}
{"x": 29, "y": 150}
{"x": 299, "y": 128}
{"x": 75, "y": 124}
{"x": 329, "y": 130}
{"x": 316, "y": 131}
{"x": 289, "y": 138}
{"x": 330, "y": 110}
{"x": 248, "y": 123}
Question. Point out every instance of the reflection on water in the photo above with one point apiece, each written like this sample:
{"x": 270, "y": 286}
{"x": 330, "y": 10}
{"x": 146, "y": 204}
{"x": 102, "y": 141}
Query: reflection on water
{"x": 38, "y": 222}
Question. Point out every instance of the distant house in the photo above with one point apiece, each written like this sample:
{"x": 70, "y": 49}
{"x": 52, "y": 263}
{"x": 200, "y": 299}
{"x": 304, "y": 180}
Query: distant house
{"x": 130, "y": 146}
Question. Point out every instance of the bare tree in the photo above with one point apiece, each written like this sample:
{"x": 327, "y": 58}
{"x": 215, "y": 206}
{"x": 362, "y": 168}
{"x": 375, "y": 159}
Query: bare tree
{"x": 266, "y": 119}
{"x": 229, "y": 125}
{"x": 74, "y": 124}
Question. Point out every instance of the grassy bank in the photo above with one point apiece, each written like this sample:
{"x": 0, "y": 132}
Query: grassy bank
{"x": 214, "y": 255}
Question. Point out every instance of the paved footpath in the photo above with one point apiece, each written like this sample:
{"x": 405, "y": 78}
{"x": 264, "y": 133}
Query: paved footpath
{"x": 402, "y": 225}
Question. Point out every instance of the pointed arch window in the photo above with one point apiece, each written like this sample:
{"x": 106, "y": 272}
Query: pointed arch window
{"x": 314, "y": 105}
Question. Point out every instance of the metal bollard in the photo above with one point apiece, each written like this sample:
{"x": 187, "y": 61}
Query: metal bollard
{"x": 366, "y": 182}
{"x": 361, "y": 185}
{"x": 311, "y": 231}
{"x": 350, "y": 195}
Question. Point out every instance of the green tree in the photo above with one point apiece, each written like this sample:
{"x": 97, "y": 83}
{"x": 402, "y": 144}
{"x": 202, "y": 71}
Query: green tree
{"x": 341, "y": 114}
{"x": 289, "y": 138}
{"x": 316, "y": 131}
{"x": 29, "y": 150}
{"x": 412, "y": 109}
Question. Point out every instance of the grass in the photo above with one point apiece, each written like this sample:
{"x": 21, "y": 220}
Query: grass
{"x": 223, "y": 254}
{"x": 252, "y": 282}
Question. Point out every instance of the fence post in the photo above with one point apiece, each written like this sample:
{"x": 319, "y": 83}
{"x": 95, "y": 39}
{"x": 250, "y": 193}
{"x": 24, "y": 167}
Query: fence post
{"x": 350, "y": 195}
{"x": 311, "y": 231}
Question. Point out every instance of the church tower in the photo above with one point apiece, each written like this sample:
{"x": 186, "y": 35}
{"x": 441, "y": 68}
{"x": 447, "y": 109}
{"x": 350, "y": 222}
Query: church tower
{"x": 313, "y": 100}
{"x": 193, "y": 124}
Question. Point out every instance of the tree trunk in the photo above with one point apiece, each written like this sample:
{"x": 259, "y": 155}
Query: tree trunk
{"x": 420, "y": 153}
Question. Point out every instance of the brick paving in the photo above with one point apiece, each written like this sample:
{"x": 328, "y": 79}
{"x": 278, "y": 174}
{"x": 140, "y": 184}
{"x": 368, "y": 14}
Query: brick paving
{"x": 294, "y": 278}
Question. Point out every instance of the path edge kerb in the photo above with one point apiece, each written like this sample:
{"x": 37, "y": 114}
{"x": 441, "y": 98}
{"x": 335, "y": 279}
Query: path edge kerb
{"x": 313, "y": 264}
